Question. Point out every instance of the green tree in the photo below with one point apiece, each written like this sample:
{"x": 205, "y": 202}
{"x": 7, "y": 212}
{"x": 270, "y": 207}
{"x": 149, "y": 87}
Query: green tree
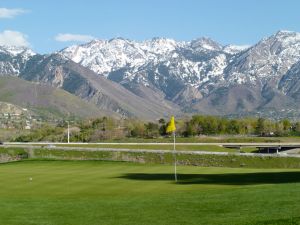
{"x": 286, "y": 125}
{"x": 296, "y": 128}
{"x": 233, "y": 127}
{"x": 279, "y": 128}
{"x": 151, "y": 130}
{"x": 260, "y": 126}
{"x": 163, "y": 126}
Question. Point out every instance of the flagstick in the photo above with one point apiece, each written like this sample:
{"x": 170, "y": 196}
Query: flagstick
{"x": 175, "y": 167}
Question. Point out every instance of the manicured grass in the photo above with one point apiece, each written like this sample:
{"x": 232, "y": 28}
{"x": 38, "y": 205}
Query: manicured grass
{"x": 90, "y": 193}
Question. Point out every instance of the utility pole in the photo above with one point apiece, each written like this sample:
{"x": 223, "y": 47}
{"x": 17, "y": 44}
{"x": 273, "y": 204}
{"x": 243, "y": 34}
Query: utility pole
{"x": 68, "y": 132}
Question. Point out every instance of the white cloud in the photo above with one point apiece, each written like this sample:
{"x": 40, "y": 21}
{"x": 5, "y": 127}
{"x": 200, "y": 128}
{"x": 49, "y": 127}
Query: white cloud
{"x": 15, "y": 38}
{"x": 73, "y": 37}
{"x": 11, "y": 13}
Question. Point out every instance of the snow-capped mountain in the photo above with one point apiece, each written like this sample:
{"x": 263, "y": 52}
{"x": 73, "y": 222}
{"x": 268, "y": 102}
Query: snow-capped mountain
{"x": 198, "y": 63}
{"x": 104, "y": 56}
{"x": 154, "y": 63}
{"x": 13, "y": 59}
{"x": 197, "y": 76}
{"x": 190, "y": 73}
{"x": 266, "y": 61}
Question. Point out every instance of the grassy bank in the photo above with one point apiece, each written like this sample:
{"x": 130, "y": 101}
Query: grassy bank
{"x": 155, "y": 146}
{"x": 204, "y": 160}
{"x": 13, "y": 151}
{"x": 12, "y": 154}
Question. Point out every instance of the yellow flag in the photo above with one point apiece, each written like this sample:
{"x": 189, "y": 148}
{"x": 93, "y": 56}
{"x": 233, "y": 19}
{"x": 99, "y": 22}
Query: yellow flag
{"x": 171, "y": 126}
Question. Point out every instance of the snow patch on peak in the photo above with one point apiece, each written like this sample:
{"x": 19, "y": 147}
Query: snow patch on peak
{"x": 234, "y": 49}
{"x": 17, "y": 50}
{"x": 285, "y": 37}
{"x": 159, "y": 45}
{"x": 284, "y": 32}
{"x": 205, "y": 44}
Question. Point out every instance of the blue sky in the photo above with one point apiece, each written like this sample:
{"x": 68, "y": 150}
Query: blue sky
{"x": 49, "y": 25}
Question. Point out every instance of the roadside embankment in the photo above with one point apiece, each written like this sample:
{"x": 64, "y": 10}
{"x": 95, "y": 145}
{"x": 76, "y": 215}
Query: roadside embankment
{"x": 195, "y": 158}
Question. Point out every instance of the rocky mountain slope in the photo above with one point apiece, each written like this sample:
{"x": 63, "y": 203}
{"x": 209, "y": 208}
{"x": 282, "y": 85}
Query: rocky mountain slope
{"x": 60, "y": 72}
{"x": 152, "y": 78}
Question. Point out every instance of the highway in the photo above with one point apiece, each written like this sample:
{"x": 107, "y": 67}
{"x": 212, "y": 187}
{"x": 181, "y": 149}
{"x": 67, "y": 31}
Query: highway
{"x": 161, "y": 143}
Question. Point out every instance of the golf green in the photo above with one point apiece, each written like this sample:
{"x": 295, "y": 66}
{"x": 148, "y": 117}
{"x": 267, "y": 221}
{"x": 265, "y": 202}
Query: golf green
{"x": 107, "y": 193}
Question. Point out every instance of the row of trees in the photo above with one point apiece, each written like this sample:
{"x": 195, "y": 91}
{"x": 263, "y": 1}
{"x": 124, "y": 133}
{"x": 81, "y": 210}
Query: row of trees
{"x": 211, "y": 125}
{"x": 108, "y": 128}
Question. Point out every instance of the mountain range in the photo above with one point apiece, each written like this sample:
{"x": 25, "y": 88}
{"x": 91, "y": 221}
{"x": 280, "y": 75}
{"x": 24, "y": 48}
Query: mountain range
{"x": 159, "y": 77}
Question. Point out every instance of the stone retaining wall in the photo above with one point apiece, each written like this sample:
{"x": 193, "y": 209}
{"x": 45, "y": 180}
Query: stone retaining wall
{"x": 4, "y": 158}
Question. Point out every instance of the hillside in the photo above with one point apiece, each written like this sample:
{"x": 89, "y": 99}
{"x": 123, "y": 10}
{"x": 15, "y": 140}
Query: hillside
{"x": 6, "y": 108}
{"x": 44, "y": 100}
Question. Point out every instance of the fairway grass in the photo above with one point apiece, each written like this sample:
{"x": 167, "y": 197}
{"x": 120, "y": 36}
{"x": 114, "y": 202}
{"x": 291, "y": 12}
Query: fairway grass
{"x": 108, "y": 193}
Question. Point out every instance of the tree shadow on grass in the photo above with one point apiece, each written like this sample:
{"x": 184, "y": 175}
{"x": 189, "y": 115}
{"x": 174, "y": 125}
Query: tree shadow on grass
{"x": 221, "y": 179}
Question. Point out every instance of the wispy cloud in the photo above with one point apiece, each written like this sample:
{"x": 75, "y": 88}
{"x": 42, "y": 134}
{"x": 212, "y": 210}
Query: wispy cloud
{"x": 15, "y": 38}
{"x": 73, "y": 37}
{"x": 11, "y": 13}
